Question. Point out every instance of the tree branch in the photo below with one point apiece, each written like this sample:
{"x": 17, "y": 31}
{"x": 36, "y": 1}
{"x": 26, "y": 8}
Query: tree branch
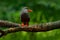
{"x": 34, "y": 28}
{"x": 8, "y": 24}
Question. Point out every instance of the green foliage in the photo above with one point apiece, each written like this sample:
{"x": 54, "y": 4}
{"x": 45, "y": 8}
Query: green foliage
{"x": 43, "y": 11}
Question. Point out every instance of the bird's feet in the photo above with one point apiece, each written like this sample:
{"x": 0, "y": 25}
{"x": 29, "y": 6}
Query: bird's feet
{"x": 26, "y": 25}
{"x": 22, "y": 25}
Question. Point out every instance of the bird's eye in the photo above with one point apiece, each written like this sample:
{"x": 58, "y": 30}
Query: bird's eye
{"x": 26, "y": 8}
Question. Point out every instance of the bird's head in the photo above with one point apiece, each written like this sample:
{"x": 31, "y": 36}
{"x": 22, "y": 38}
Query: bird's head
{"x": 26, "y": 10}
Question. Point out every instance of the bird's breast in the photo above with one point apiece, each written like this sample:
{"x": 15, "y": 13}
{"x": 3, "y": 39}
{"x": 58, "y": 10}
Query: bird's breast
{"x": 25, "y": 17}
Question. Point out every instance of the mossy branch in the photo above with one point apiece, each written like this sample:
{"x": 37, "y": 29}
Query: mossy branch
{"x": 15, "y": 27}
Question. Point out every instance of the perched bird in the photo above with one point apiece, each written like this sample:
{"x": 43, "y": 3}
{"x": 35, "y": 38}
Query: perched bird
{"x": 25, "y": 17}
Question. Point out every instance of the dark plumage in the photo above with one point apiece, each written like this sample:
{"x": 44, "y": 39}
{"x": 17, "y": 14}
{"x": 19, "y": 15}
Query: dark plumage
{"x": 25, "y": 18}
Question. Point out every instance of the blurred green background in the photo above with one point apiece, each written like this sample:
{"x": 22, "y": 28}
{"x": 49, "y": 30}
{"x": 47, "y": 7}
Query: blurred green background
{"x": 43, "y": 11}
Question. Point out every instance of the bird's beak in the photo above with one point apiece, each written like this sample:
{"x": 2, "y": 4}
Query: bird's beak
{"x": 29, "y": 10}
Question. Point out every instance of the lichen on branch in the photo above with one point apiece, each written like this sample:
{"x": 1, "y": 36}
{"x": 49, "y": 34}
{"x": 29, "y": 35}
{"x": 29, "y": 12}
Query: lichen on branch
{"x": 15, "y": 27}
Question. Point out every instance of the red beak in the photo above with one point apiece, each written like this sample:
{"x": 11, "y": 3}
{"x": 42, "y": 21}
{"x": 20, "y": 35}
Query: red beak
{"x": 29, "y": 10}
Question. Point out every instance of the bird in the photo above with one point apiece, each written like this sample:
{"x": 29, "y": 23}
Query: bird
{"x": 25, "y": 17}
